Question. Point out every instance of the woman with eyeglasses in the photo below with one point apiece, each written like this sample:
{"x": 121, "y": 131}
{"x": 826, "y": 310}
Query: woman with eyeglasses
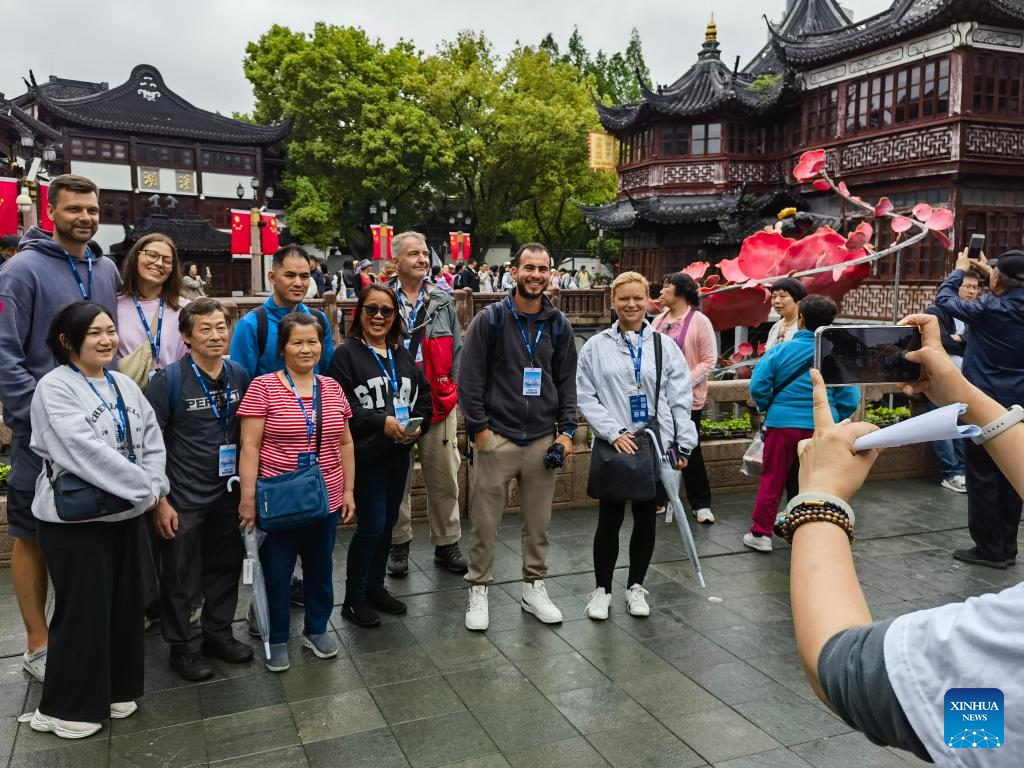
{"x": 391, "y": 408}
{"x": 195, "y": 286}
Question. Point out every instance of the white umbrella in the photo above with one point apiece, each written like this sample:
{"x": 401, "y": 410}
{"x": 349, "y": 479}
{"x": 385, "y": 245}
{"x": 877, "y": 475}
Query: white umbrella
{"x": 260, "y": 605}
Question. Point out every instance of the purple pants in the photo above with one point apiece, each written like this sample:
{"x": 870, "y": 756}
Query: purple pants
{"x": 779, "y": 454}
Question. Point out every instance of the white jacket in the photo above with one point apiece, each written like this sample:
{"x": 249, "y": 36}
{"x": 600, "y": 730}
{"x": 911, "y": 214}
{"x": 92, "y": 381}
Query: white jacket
{"x": 605, "y": 380}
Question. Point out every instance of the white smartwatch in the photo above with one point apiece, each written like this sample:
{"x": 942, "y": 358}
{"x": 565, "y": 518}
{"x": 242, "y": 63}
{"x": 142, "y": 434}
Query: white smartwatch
{"x": 1012, "y": 417}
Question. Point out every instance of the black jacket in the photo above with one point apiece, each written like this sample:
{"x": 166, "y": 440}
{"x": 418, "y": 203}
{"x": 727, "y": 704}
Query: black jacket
{"x": 372, "y": 401}
{"x": 469, "y": 279}
{"x": 947, "y": 328}
{"x": 491, "y": 374}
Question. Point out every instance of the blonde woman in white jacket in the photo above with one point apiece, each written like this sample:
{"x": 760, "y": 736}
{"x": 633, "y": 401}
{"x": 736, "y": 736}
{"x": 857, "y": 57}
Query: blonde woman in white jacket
{"x": 93, "y": 429}
{"x": 615, "y": 389}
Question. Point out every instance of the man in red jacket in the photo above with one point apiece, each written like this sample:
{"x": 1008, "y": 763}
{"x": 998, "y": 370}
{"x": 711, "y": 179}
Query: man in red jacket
{"x": 432, "y": 335}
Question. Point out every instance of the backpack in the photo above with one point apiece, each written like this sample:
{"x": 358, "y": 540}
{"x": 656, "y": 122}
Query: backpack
{"x": 496, "y": 320}
{"x": 173, "y": 377}
{"x": 262, "y": 329}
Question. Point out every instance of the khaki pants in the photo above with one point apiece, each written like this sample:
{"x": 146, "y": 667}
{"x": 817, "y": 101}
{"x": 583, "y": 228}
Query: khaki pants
{"x": 495, "y": 465}
{"x": 439, "y": 462}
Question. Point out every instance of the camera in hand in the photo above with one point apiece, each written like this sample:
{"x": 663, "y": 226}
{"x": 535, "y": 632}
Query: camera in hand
{"x": 554, "y": 456}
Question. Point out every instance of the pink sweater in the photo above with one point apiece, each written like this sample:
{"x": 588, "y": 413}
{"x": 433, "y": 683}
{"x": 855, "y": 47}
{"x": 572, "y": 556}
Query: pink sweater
{"x": 699, "y": 348}
{"x": 132, "y": 334}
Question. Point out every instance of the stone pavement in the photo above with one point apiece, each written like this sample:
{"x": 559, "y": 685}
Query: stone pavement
{"x": 696, "y": 683}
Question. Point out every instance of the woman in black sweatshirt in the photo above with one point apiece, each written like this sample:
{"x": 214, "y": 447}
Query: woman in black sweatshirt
{"x": 386, "y": 389}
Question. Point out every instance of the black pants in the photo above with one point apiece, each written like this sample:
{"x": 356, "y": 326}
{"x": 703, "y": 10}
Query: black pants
{"x": 606, "y": 540}
{"x": 993, "y": 506}
{"x": 695, "y": 476}
{"x": 96, "y": 650}
{"x": 379, "y": 492}
{"x": 207, "y": 550}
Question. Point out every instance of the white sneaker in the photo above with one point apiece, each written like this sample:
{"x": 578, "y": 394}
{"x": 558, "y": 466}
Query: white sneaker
{"x": 597, "y": 606}
{"x": 536, "y": 601}
{"x": 636, "y": 601}
{"x": 956, "y": 483}
{"x": 66, "y": 729}
{"x": 477, "y": 615}
{"x": 760, "y": 543}
{"x": 704, "y": 515}
{"x": 119, "y": 710}
{"x": 34, "y": 662}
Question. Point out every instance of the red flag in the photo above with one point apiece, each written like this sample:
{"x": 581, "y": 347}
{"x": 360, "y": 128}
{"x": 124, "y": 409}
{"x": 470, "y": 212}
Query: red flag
{"x": 455, "y": 242}
{"x": 375, "y": 231}
{"x": 465, "y": 246}
{"x": 240, "y": 232}
{"x": 8, "y": 206}
{"x": 270, "y": 236}
{"x": 45, "y": 222}
{"x": 391, "y": 236}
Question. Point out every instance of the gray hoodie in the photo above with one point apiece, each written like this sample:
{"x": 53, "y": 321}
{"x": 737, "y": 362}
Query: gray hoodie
{"x": 76, "y": 434}
{"x": 33, "y": 286}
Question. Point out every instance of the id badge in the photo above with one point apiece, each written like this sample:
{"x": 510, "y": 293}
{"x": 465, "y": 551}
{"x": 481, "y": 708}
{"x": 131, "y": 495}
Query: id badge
{"x": 402, "y": 412}
{"x": 531, "y": 381}
{"x": 638, "y": 408}
{"x": 307, "y": 459}
{"x": 408, "y": 343}
{"x": 227, "y": 460}
{"x": 419, "y": 355}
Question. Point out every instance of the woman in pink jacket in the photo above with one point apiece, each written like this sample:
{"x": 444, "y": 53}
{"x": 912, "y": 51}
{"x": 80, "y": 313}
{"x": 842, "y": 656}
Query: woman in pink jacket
{"x": 683, "y": 322}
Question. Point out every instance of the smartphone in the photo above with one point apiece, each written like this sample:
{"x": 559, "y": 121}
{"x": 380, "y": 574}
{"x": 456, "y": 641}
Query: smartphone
{"x": 974, "y": 247}
{"x": 866, "y": 354}
{"x": 413, "y": 424}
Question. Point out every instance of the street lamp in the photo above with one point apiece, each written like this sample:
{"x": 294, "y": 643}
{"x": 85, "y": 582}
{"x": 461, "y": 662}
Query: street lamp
{"x": 255, "y": 184}
{"x": 240, "y": 191}
{"x": 27, "y": 141}
{"x": 49, "y": 153}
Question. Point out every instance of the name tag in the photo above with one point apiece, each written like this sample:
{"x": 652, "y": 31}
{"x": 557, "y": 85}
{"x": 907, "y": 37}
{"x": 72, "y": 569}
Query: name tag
{"x": 307, "y": 459}
{"x": 402, "y": 412}
{"x": 227, "y": 460}
{"x": 419, "y": 354}
{"x": 531, "y": 381}
{"x": 638, "y": 411}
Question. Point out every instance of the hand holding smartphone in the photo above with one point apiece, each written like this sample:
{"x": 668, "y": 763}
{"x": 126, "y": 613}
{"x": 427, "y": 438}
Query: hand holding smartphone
{"x": 866, "y": 354}
{"x": 413, "y": 424}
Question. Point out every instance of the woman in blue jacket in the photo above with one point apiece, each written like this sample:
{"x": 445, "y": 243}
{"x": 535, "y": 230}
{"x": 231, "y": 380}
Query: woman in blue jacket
{"x": 790, "y": 411}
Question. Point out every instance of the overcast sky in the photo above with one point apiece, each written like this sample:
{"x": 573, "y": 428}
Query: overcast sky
{"x": 198, "y": 45}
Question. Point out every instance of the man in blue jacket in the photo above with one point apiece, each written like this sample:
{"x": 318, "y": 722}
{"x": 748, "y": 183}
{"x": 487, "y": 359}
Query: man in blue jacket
{"x": 46, "y": 274}
{"x": 994, "y": 364}
{"x": 781, "y": 385}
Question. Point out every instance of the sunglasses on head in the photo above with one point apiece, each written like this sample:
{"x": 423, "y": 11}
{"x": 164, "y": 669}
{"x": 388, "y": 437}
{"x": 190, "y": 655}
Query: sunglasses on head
{"x": 372, "y": 310}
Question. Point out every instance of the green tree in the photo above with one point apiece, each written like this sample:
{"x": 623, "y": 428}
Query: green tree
{"x": 615, "y": 75}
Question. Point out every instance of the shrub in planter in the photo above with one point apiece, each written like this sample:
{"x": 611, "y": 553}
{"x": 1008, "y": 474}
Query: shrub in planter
{"x": 884, "y": 417}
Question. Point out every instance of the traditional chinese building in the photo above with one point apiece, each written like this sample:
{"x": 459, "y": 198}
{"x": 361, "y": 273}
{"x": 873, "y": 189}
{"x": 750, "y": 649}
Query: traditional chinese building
{"x": 921, "y": 103}
{"x": 162, "y": 164}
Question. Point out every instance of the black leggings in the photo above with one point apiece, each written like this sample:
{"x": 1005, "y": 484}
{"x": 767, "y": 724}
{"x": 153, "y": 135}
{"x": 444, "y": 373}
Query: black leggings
{"x": 606, "y": 540}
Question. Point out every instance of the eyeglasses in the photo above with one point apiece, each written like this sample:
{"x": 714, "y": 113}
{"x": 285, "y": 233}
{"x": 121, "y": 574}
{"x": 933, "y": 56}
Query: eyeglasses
{"x": 155, "y": 257}
{"x": 372, "y": 310}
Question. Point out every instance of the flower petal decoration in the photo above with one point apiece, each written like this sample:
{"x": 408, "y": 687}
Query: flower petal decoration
{"x": 941, "y": 218}
{"x": 761, "y": 348}
{"x": 942, "y": 238}
{"x": 697, "y": 270}
{"x": 860, "y": 237}
{"x": 711, "y": 281}
{"x": 743, "y": 306}
{"x": 901, "y": 224}
{"x": 737, "y": 357}
{"x": 810, "y": 165}
{"x": 922, "y": 211}
{"x": 884, "y": 206}
{"x": 821, "y": 185}
{"x": 808, "y": 252}
{"x": 746, "y": 349}
{"x": 760, "y": 254}
{"x": 843, "y": 189}
{"x": 731, "y": 271}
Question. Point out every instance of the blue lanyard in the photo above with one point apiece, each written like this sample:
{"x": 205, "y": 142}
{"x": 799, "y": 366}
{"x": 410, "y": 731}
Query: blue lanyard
{"x": 154, "y": 344}
{"x": 411, "y": 319}
{"x": 636, "y": 355}
{"x": 393, "y": 376}
{"x": 522, "y": 332}
{"x": 309, "y": 419}
{"x": 120, "y": 419}
{"x": 86, "y": 294}
{"x": 224, "y": 419}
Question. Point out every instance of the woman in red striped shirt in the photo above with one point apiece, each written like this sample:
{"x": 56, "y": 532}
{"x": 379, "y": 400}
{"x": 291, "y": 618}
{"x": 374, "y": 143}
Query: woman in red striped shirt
{"x": 279, "y": 435}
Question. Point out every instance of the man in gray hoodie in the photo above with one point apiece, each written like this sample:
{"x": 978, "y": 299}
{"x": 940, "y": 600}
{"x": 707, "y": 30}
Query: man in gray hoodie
{"x": 47, "y": 274}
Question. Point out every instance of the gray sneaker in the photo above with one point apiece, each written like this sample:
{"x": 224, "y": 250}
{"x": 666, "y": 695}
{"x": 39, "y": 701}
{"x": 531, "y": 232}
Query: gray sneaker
{"x": 323, "y": 646}
{"x": 34, "y": 662}
{"x": 278, "y": 661}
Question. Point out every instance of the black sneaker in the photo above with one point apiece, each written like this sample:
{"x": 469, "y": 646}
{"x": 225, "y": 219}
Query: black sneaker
{"x": 298, "y": 598}
{"x": 385, "y": 602}
{"x": 398, "y": 560}
{"x": 360, "y": 613}
{"x": 451, "y": 557}
{"x": 191, "y": 666}
{"x": 971, "y": 556}
{"x": 231, "y": 650}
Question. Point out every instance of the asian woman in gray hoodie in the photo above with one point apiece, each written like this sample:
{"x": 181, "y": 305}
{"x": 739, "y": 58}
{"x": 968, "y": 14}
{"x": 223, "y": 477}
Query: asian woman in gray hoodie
{"x": 96, "y": 425}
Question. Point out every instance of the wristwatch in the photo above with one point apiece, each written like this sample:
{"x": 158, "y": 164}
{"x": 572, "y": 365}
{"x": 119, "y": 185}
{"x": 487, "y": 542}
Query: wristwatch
{"x": 570, "y": 433}
{"x": 1012, "y": 417}
{"x": 682, "y": 453}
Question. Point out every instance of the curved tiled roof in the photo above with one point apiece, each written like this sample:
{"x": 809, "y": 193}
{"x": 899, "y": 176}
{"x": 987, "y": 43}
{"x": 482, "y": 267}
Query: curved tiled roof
{"x": 687, "y": 209}
{"x": 22, "y": 123}
{"x": 191, "y": 234}
{"x": 806, "y": 16}
{"x": 145, "y": 105}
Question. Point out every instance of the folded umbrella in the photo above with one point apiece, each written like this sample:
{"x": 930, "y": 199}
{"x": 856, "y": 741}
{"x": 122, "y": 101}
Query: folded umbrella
{"x": 260, "y": 605}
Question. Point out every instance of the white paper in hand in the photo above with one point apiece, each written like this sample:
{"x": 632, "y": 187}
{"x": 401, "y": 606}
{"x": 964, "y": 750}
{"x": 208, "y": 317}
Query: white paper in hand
{"x": 939, "y": 424}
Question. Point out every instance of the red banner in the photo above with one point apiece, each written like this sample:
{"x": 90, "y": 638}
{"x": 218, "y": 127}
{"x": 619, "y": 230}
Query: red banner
{"x": 270, "y": 236}
{"x": 465, "y": 246}
{"x": 240, "y": 232}
{"x": 375, "y": 231}
{"x": 45, "y": 222}
{"x": 390, "y": 237}
{"x": 455, "y": 242}
{"x": 8, "y": 206}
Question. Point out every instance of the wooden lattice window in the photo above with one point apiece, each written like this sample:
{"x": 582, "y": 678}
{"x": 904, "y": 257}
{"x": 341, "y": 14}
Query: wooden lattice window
{"x": 822, "y": 115}
{"x": 997, "y": 85}
{"x": 905, "y": 95}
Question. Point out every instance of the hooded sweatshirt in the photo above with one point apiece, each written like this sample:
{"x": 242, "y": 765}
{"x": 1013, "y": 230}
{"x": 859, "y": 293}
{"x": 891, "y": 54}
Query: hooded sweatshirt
{"x": 33, "y": 286}
{"x": 73, "y": 431}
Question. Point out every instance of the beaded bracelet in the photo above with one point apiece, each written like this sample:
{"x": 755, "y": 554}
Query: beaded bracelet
{"x": 811, "y": 512}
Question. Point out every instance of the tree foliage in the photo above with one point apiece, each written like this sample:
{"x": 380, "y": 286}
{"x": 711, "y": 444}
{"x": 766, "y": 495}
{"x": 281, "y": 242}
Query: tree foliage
{"x": 615, "y": 75}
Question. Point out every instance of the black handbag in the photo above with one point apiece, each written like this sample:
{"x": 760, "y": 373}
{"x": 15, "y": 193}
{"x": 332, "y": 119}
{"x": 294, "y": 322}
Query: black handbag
{"x": 618, "y": 476}
{"x": 78, "y": 500}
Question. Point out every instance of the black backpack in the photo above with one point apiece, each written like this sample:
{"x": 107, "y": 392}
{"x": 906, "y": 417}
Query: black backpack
{"x": 496, "y": 321}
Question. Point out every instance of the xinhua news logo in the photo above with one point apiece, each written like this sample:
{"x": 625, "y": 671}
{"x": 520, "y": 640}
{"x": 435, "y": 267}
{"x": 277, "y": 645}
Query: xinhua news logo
{"x": 974, "y": 718}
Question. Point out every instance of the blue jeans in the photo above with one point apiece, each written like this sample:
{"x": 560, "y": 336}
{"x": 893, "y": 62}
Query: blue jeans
{"x": 379, "y": 492}
{"x": 949, "y": 455}
{"x": 314, "y": 543}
